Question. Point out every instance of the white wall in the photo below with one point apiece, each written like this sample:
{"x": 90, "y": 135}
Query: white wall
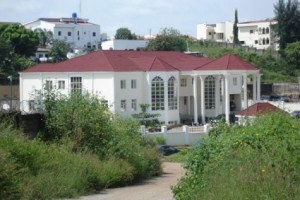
{"x": 124, "y": 44}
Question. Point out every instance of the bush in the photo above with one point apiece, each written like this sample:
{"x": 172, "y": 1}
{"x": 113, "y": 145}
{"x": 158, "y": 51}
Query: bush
{"x": 259, "y": 161}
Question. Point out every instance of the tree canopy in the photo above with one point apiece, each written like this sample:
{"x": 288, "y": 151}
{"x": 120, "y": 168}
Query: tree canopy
{"x": 292, "y": 54}
{"x": 23, "y": 41}
{"x": 124, "y": 34}
{"x": 169, "y": 39}
{"x": 16, "y": 45}
{"x": 287, "y": 28}
{"x": 235, "y": 28}
{"x": 59, "y": 51}
{"x": 45, "y": 37}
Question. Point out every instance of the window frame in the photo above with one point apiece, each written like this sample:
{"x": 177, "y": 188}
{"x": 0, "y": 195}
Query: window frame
{"x": 172, "y": 97}
{"x": 209, "y": 92}
{"x": 123, "y": 84}
{"x": 123, "y": 105}
{"x": 76, "y": 84}
{"x": 61, "y": 83}
{"x": 133, "y": 104}
{"x": 133, "y": 84}
{"x": 157, "y": 93}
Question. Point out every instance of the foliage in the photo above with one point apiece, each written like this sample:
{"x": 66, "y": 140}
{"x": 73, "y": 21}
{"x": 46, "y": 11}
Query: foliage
{"x": 287, "y": 28}
{"x": 35, "y": 170}
{"x": 180, "y": 157}
{"x": 257, "y": 161}
{"x": 59, "y": 51}
{"x": 292, "y": 54}
{"x": 23, "y": 41}
{"x": 169, "y": 39}
{"x": 124, "y": 34}
{"x": 145, "y": 118}
{"x": 273, "y": 69}
{"x": 45, "y": 37}
{"x": 235, "y": 28}
{"x": 160, "y": 139}
{"x": 89, "y": 125}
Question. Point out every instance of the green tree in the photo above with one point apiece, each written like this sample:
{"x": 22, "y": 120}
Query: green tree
{"x": 169, "y": 39}
{"x": 287, "y": 28}
{"x": 292, "y": 54}
{"x": 23, "y": 41}
{"x": 124, "y": 34}
{"x": 59, "y": 51}
{"x": 235, "y": 28}
{"x": 45, "y": 36}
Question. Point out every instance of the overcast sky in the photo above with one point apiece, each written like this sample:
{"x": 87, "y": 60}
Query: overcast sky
{"x": 139, "y": 15}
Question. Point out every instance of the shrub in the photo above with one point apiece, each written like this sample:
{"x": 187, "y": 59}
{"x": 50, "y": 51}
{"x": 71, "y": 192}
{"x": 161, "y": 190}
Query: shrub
{"x": 259, "y": 161}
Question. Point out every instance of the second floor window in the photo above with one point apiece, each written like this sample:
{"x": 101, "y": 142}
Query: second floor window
{"x": 61, "y": 85}
{"x": 183, "y": 82}
{"x": 59, "y": 33}
{"x": 133, "y": 84}
{"x": 69, "y": 33}
{"x": 123, "y": 84}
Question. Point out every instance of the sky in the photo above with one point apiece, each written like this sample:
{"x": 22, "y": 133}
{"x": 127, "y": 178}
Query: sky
{"x": 139, "y": 15}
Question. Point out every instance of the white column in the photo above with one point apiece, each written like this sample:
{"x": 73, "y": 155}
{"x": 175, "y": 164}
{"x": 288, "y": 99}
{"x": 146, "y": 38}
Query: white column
{"x": 245, "y": 80}
{"x": 202, "y": 78}
{"x": 166, "y": 101}
{"x": 226, "y": 97}
{"x": 254, "y": 87}
{"x": 258, "y": 87}
{"x": 217, "y": 95}
{"x": 195, "y": 83}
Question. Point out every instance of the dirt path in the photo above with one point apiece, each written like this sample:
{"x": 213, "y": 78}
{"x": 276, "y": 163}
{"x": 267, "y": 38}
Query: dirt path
{"x": 157, "y": 188}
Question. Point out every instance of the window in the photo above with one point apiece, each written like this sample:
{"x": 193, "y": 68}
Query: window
{"x": 133, "y": 84}
{"x": 264, "y": 41}
{"x": 31, "y": 105}
{"x": 172, "y": 97}
{"x": 133, "y": 104}
{"x": 123, "y": 84}
{"x": 251, "y": 31}
{"x": 157, "y": 94}
{"x": 267, "y": 41}
{"x": 267, "y": 30}
{"x": 256, "y": 41}
{"x": 94, "y": 34}
{"x": 183, "y": 82}
{"x": 78, "y": 33}
{"x": 123, "y": 105}
{"x": 185, "y": 100}
{"x": 69, "y": 33}
{"x": 221, "y": 91}
{"x": 59, "y": 33}
{"x": 209, "y": 33}
{"x": 61, "y": 85}
{"x": 210, "y": 92}
{"x": 48, "y": 85}
{"x": 234, "y": 81}
{"x": 242, "y": 42}
{"x": 104, "y": 103}
{"x": 263, "y": 31}
{"x": 76, "y": 85}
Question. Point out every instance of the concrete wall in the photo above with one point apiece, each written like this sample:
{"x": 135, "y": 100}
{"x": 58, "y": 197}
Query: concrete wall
{"x": 124, "y": 44}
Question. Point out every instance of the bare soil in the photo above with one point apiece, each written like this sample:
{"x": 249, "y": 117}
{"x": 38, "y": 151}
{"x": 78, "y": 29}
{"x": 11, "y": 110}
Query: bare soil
{"x": 158, "y": 188}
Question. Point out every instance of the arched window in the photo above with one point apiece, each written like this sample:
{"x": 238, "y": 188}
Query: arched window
{"x": 210, "y": 86}
{"x": 264, "y": 41}
{"x": 263, "y": 31}
{"x": 267, "y": 30}
{"x": 172, "y": 91}
{"x": 267, "y": 41}
{"x": 157, "y": 94}
{"x": 259, "y": 30}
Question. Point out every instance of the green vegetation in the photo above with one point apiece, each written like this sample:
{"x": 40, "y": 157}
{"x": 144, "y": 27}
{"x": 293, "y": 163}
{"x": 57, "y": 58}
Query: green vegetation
{"x": 180, "y": 157}
{"x": 273, "y": 69}
{"x": 125, "y": 34}
{"x": 169, "y": 39}
{"x": 235, "y": 28}
{"x": 59, "y": 51}
{"x": 258, "y": 161}
{"x": 83, "y": 148}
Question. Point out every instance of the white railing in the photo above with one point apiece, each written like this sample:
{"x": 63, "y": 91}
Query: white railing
{"x": 185, "y": 135}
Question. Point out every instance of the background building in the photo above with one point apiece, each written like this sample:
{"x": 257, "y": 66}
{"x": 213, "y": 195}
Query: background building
{"x": 220, "y": 32}
{"x": 124, "y": 44}
{"x": 79, "y": 33}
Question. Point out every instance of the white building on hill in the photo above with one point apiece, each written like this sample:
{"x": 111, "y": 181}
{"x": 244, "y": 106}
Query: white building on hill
{"x": 219, "y": 32}
{"x": 176, "y": 85}
{"x": 257, "y": 34}
{"x": 79, "y": 33}
{"x": 124, "y": 44}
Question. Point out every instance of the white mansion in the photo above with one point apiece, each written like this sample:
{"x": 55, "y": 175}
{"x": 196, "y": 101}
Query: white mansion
{"x": 176, "y": 85}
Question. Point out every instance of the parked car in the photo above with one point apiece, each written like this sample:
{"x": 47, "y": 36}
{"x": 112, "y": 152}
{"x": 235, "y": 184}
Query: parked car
{"x": 265, "y": 98}
{"x": 167, "y": 150}
{"x": 295, "y": 113}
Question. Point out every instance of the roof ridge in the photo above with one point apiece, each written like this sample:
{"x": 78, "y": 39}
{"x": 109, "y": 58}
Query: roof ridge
{"x": 168, "y": 63}
{"x": 152, "y": 63}
{"x": 227, "y": 66}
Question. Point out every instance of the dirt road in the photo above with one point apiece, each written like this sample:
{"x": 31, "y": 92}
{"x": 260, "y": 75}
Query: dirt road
{"x": 157, "y": 188}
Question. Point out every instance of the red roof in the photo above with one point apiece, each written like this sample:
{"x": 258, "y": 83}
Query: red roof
{"x": 258, "y": 108}
{"x": 123, "y": 61}
{"x": 228, "y": 62}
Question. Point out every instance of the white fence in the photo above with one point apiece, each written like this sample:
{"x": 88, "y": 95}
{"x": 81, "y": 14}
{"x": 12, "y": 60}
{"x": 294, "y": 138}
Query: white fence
{"x": 185, "y": 135}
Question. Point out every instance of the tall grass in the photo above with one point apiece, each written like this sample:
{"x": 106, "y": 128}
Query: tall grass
{"x": 258, "y": 161}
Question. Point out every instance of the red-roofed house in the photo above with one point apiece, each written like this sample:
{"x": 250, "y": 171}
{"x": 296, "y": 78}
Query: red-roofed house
{"x": 176, "y": 85}
{"x": 253, "y": 111}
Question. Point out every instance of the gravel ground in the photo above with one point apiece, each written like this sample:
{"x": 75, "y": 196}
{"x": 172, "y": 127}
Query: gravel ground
{"x": 157, "y": 188}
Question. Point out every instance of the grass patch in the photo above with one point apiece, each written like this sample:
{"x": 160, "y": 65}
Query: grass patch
{"x": 180, "y": 157}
